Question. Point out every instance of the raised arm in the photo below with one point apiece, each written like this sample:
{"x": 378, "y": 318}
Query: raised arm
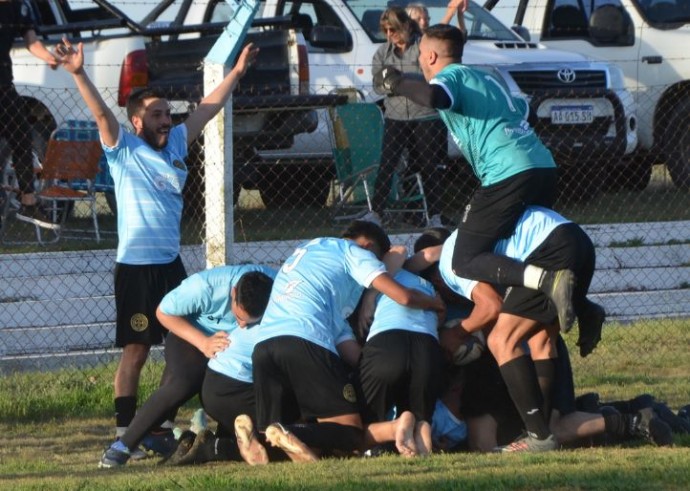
{"x": 36, "y": 48}
{"x": 216, "y": 100}
{"x": 73, "y": 61}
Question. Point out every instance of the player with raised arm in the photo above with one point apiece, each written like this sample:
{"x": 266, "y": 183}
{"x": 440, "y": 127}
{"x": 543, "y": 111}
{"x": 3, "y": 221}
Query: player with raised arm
{"x": 149, "y": 173}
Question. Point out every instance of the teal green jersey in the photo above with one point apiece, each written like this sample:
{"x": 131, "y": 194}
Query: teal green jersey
{"x": 489, "y": 125}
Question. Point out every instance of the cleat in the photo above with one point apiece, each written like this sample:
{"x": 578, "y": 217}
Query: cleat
{"x": 279, "y": 437}
{"x": 589, "y": 325}
{"x": 529, "y": 443}
{"x": 677, "y": 424}
{"x": 195, "y": 454}
{"x": 35, "y": 216}
{"x": 684, "y": 413}
{"x": 138, "y": 454}
{"x": 114, "y": 456}
{"x": 251, "y": 450}
{"x": 184, "y": 445}
{"x": 587, "y": 402}
{"x": 647, "y": 424}
{"x": 559, "y": 286}
{"x": 162, "y": 443}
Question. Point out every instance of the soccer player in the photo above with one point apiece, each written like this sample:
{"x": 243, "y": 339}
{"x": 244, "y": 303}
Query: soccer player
{"x": 544, "y": 238}
{"x": 400, "y": 364}
{"x": 209, "y": 317}
{"x": 514, "y": 167}
{"x": 149, "y": 173}
{"x": 297, "y": 371}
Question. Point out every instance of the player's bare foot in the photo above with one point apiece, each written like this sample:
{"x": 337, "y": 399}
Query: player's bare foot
{"x": 404, "y": 435}
{"x": 422, "y": 438}
{"x": 295, "y": 448}
{"x": 251, "y": 450}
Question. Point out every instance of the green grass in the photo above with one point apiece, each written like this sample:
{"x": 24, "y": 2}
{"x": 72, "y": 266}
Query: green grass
{"x": 54, "y": 425}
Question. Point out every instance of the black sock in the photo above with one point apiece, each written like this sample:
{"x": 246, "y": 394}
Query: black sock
{"x": 125, "y": 409}
{"x": 546, "y": 373}
{"x": 220, "y": 449}
{"x": 618, "y": 425}
{"x": 520, "y": 377}
{"x": 329, "y": 436}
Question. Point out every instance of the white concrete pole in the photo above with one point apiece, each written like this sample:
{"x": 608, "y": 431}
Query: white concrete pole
{"x": 218, "y": 165}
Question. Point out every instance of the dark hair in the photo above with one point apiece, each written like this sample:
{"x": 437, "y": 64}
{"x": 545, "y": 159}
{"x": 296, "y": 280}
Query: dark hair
{"x": 135, "y": 101}
{"x": 252, "y": 292}
{"x": 362, "y": 228}
{"x": 451, "y": 36}
{"x": 431, "y": 237}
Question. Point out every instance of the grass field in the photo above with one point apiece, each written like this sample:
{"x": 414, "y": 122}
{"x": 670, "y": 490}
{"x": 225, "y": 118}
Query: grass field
{"x": 54, "y": 426}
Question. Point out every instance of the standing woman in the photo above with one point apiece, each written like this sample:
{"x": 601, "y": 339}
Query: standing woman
{"x": 407, "y": 125}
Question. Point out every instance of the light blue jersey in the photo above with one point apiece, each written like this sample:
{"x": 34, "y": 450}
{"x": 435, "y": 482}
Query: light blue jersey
{"x": 148, "y": 187}
{"x": 204, "y": 300}
{"x": 391, "y": 315}
{"x": 532, "y": 229}
{"x": 489, "y": 125}
{"x": 316, "y": 289}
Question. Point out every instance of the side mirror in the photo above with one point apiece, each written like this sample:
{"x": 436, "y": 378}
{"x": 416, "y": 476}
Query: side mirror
{"x": 331, "y": 38}
{"x": 522, "y": 31}
{"x": 611, "y": 25}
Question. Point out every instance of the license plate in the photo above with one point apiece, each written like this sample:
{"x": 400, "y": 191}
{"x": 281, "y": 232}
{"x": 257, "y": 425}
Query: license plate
{"x": 572, "y": 114}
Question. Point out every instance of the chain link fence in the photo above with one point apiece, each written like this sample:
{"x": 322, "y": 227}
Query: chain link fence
{"x": 56, "y": 299}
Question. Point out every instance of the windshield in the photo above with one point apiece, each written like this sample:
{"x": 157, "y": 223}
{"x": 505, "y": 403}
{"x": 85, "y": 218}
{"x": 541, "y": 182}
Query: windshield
{"x": 480, "y": 23}
{"x": 664, "y": 11}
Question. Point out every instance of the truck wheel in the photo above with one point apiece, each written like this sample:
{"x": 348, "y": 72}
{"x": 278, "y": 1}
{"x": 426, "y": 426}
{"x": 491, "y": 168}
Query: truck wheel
{"x": 678, "y": 145}
{"x": 294, "y": 185}
{"x": 634, "y": 175}
{"x": 581, "y": 184}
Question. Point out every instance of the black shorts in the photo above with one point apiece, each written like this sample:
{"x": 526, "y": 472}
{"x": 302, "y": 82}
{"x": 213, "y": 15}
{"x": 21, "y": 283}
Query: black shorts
{"x": 224, "y": 398}
{"x": 138, "y": 291}
{"x": 297, "y": 379}
{"x": 402, "y": 369}
{"x": 567, "y": 247}
{"x": 493, "y": 211}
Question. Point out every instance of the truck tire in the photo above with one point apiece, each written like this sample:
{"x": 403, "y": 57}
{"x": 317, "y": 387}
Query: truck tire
{"x": 634, "y": 175}
{"x": 294, "y": 185}
{"x": 581, "y": 184}
{"x": 677, "y": 143}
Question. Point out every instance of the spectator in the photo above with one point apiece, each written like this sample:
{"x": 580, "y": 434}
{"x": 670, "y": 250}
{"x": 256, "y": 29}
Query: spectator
{"x": 408, "y": 125}
{"x": 16, "y": 20}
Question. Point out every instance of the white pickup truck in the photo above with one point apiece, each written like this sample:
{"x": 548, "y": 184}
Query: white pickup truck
{"x": 649, "y": 39}
{"x": 343, "y": 36}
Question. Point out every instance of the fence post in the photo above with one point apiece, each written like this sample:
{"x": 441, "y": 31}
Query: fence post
{"x": 218, "y": 164}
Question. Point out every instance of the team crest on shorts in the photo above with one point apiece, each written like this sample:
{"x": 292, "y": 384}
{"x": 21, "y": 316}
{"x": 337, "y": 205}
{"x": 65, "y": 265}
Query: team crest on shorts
{"x": 139, "y": 322}
{"x": 349, "y": 393}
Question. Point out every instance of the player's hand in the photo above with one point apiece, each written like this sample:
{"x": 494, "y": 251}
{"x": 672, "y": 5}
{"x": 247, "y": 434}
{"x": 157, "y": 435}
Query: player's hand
{"x": 70, "y": 58}
{"x": 215, "y": 344}
{"x": 246, "y": 59}
{"x": 459, "y": 5}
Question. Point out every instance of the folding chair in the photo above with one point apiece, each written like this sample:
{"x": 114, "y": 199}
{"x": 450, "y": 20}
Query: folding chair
{"x": 67, "y": 165}
{"x": 357, "y": 131}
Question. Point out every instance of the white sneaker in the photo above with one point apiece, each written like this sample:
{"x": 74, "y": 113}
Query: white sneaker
{"x": 371, "y": 216}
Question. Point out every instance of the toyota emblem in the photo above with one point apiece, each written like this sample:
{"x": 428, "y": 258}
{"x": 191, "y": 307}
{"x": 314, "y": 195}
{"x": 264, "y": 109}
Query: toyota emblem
{"x": 566, "y": 75}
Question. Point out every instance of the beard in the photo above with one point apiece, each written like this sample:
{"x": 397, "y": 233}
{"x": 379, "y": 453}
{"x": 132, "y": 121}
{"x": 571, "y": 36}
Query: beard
{"x": 156, "y": 140}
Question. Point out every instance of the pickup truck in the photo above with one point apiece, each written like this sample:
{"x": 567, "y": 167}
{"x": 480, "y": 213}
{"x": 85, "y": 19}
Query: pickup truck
{"x": 272, "y": 100}
{"x": 649, "y": 40}
{"x": 585, "y": 115}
